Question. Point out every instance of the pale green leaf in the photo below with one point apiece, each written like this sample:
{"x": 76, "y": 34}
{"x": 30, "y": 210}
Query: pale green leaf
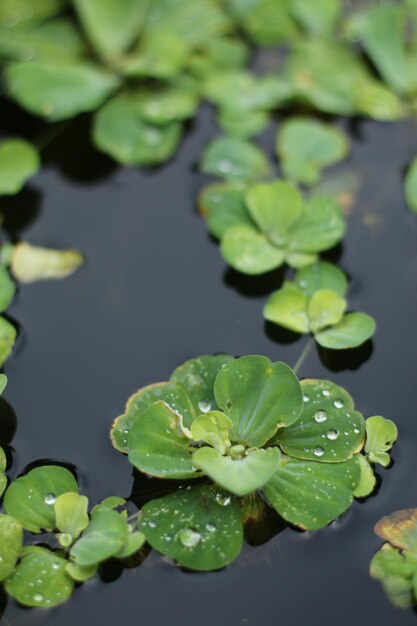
{"x": 381, "y": 434}
{"x": 352, "y": 331}
{"x": 32, "y": 263}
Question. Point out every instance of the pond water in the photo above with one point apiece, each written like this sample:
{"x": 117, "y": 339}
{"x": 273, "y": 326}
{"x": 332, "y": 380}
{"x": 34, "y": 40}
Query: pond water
{"x": 154, "y": 292}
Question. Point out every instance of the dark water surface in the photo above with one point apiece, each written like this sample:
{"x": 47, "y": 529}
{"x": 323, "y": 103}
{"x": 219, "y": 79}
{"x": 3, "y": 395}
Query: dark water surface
{"x": 154, "y": 292}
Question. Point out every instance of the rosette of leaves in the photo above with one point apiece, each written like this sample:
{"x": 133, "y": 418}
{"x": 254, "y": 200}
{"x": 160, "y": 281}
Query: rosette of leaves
{"x": 136, "y": 64}
{"x": 248, "y": 426}
{"x": 264, "y": 225}
{"x": 46, "y": 500}
{"x": 395, "y": 564}
{"x": 315, "y": 302}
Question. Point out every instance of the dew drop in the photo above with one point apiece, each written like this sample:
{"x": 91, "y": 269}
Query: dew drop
{"x": 320, "y": 416}
{"x": 326, "y": 393}
{"x": 204, "y": 406}
{"x": 211, "y": 528}
{"x": 318, "y": 451}
{"x": 223, "y": 500}
{"x": 338, "y": 404}
{"x": 356, "y": 431}
{"x": 37, "y": 597}
{"x": 189, "y": 537}
{"x": 50, "y": 498}
{"x": 332, "y": 434}
{"x": 152, "y": 524}
{"x": 306, "y": 398}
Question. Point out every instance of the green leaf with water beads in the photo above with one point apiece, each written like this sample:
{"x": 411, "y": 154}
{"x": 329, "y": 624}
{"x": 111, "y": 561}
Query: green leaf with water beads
{"x": 7, "y": 338}
{"x": 172, "y": 393}
{"x": 161, "y": 55}
{"x": 240, "y": 475}
{"x": 234, "y": 159}
{"x": 321, "y": 275}
{"x": 310, "y": 494}
{"x": 396, "y": 575}
{"x": 19, "y": 160}
{"x": 120, "y": 132}
{"x": 40, "y": 579}
{"x": 212, "y": 428}
{"x": 382, "y": 33}
{"x": 11, "y": 542}
{"x": 112, "y": 26}
{"x": 197, "y": 376}
{"x": 104, "y": 537}
{"x": 58, "y": 91}
{"x": 223, "y": 205}
{"x": 318, "y": 18}
{"x": 32, "y": 263}
{"x": 3, "y": 466}
{"x": 22, "y": 12}
{"x": 352, "y": 331}
{"x": 200, "y": 528}
{"x": 381, "y": 434}
{"x": 410, "y": 186}
{"x": 306, "y": 146}
{"x": 157, "y": 446}
{"x": 31, "y": 498}
{"x": 367, "y": 481}
{"x": 259, "y": 397}
{"x": 328, "y": 430}
{"x": 71, "y": 514}
{"x": 288, "y": 308}
{"x": 7, "y": 289}
{"x": 288, "y": 229}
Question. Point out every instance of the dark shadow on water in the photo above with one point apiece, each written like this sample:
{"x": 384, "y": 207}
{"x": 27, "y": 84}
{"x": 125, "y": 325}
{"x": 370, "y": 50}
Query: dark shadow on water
{"x": 145, "y": 488}
{"x": 258, "y": 532}
{"x": 334, "y": 255}
{"x": 278, "y": 334}
{"x": 20, "y": 211}
{"x": 3, "y": 604}
{"x": 340, "y": 360}
{"x": 8, "y": 423}
{"x": 110, "y": 570}
{"x": 254, "y": 286}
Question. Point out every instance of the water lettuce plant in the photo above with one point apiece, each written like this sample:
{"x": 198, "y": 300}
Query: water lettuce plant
{"x": 268, "y": 224}
{"x": 243, "y": 426}
{"x": 46, "y": 500}
{"x": 314, "y": 302}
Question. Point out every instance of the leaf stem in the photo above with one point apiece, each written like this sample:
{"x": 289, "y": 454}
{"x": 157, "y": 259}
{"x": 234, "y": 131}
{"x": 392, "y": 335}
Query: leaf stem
{"x": 303, "y": 356}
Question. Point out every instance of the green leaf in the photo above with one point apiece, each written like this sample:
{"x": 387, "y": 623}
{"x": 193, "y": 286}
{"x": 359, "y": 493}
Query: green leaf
{"x": 157, "y": 445}
{"x": 79, "y": 573}
{"x": 19, "y": 161}
{"x": 32, "y": 263}
{"x": 110, "y": 503}
{"x": 161, "y": 55}
{"x": 321, "y": 227}
{"x": 7, "y": 289}
{"x": 21, "y": 12}
{"x": 172, "y": 393}
{"x": 197, "y": 377}
{"x": 410, "y": 186}
{"x": 400, "y": 529}
{"x": 11, "y": 542}
{"x": 317, "y": 18}
{"x": 321, "y": 275}
{"x": 310, "y": 494}
{"x": 3, "y": 477}
{"x": 352, "y": 331}
{"x": 71, "y": 514}
{"x": 276, "y": 208}
{"x": 104, "y": 537}
{"x": 31, "y": 498}
{"x": 133, "y": 544}
{"x": 242, "y": 124}
{"x": 325, "y": 308}
{"x": 367, "y": 480}
{"x": 3, "y": 383}
{"x": 288, "y": 308}
{"x": 306, "y": 146}
{"x": 381, "y": 434}
{"x": 250, "y": 252}
{"x": 328, "y": 430}
{"x": 391, "y": 568}
{"x": 7, "y": 339}
{"x": 212, "y": 428}
{"x": 120, "y": 132}
{"x": 267, "y": 22}
{"x": 200, "y": 528}
{"x": 240, "y": 475}
{"x": 112, "y": 26}
{"x": 214, "y": 54}
{"x": 58, "y": 91}
{"x": 223, "y": 206}
{"x": 234, "y": 159}
{"x": 259, "y": 396}
{"x": 40, "y": 580}
{"x": 167, "y": 104}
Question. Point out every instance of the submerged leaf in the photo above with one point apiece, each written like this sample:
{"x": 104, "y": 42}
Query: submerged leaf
{"x": 19, "y": 160}
{"x": 31, "y": 263}
{"x": 200, "y": 528}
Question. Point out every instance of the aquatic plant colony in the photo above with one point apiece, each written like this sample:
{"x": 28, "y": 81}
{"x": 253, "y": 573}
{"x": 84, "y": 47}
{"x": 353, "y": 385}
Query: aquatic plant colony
{"x": 231, "y": 438}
